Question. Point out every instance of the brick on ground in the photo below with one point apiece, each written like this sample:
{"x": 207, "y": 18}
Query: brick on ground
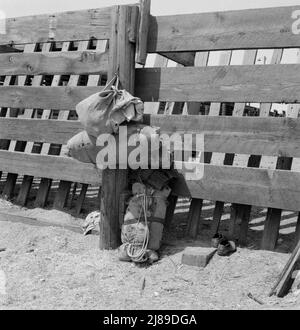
{"x": 197, "y": 256}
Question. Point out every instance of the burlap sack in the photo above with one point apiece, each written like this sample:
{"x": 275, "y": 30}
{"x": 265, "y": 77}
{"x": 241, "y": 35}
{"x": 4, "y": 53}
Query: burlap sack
{"x": 103, "y": 112}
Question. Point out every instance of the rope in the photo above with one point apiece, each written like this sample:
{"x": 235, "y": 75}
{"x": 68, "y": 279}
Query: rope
{"x": 138, "y": 255}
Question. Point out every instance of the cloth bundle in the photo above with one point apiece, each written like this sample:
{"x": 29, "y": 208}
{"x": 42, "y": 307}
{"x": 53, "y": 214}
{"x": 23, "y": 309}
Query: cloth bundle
{"x": 103, "y": 112}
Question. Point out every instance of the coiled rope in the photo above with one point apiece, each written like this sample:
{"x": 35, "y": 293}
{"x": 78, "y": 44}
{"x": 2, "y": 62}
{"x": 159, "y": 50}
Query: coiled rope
{"x": 137, "y": 251}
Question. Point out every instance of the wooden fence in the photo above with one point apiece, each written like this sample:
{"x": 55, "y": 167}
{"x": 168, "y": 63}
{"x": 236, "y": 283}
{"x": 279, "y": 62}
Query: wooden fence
{"x": 248, "y": 161}
{"x": 50, "y": 63}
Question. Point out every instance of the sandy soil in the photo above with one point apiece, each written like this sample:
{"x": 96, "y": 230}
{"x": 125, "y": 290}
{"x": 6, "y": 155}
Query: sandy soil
{"x": 55, "y": 268}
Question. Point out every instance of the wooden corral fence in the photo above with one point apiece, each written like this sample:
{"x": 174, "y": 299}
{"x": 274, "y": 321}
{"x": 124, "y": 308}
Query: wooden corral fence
{"x": 249, "y": 161}
{"x": 47, "y": 65}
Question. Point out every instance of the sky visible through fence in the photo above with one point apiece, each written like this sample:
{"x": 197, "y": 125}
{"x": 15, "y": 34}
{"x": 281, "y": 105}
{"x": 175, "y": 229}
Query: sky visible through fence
{"x": 15, "y": 8}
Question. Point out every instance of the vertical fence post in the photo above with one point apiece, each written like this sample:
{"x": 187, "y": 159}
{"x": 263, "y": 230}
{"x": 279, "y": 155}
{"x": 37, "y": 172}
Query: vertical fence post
{"x": 121, "y": 60}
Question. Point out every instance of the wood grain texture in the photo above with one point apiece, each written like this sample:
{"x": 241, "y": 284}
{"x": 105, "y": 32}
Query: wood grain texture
{"x": 271, "y": 229}
{"x": 78, "y": 62}
{"x": 235, "y": 83}
{"x": 114, "y": 182}
{"x": 55, "y": 98}
{"x": 244, "y": 135}
{"x": 194, "y": 217}
{"x": 46, "y": 166}
{"x": 70, "y": 25}
{"x": 240, "y": 29}
{"x": 39, "y": 130}
{"x": 250, "y": 186}
{"x": 141, "y": 47}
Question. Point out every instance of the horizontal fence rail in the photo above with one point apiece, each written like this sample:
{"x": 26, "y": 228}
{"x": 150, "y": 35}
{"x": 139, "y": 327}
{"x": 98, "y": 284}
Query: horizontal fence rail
{"x": 52, "y": 167}
{"x": 242, "y": 135}
{"x": 240, "y": 29}
{"x": 73, "y": 62}
{"x": 239, "y": 83}
{"x": 55, "y": 98}
{"x": 39, "y": 130}
{"x": 70, "y": 26}
{"x": 250, "y": 186}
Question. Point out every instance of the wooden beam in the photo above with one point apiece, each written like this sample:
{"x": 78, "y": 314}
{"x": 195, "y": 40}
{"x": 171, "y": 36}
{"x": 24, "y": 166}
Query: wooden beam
{"x": 141, "y": 47}
{"x": 194, "y": 217}
{"x": 55, "y": 98}
{"x": 271, "y": 229}
{"x": 239, "y": 29}
{"x": 70, "y": 25}
{"x": 172, "y": 202}
{"x": 38, "y": 130}
{"x": 114, "y": 182}
{"x": 234, "y": 83}
{"x": 282, "y": 285}
{"x": 78, "y": 62}
{"x": 297, "y": 231}
{"x": 276, "y": 136}
{"x": 45, "y": 166}
{"x": 249, "y": 186}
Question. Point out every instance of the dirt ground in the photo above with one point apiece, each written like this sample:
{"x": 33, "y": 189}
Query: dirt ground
{"x": 55, "y": 268}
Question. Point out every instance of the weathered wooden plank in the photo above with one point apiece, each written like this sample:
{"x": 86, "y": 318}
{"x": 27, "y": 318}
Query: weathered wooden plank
{"x": 62, "y": 194}
{"x": 43, "y": 192}
{"x": 38, "y": 130}
{"x": 217, "y": 216}
{"x": 9, "y": 187}
{"x": 244, "y": 224}
{"x": 70, "y": 25}
{"x": 81, "y": 198}
{"x": 194, "y": 217}
{"x": 262, "y": 136}
{"x": 24, "y": 190}
{"x": 240, "y": 29}
{"x": 53, "y": 167}
{"x": 282, "y": 285}
{"x": 297, "y": 231}
{"x": 250, "y": 186}
{"x": 78, "y": 62}
{"x": 172, "y": 202}
{"x": 141, "y": 47}
{"x": 245, "y": 135}
{"x": 271, "y": 229}
{"x": 235, "y": 83}
{"x": 55, "y": 98}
